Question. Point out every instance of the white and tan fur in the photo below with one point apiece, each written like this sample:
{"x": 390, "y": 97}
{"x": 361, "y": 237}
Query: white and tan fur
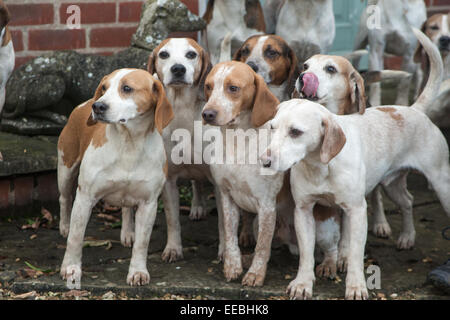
{"x": 338, "y": 160}
{"x": 308, "y": 26}
{"x": 185, "y": 93}
{"x": 392, "y": 36}
{"x": 340, "y": 89}
{"x": 112, "y": 149}
{"x": 437, "y": 28}
{"x": 272, "y": 58}
{"x": 7, "y": 56}
{"x": 240, "y": 18}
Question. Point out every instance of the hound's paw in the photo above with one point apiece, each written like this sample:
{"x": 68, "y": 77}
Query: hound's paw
{"x": 252, "y": 279}
{"x": 246, "y": 239}
{"x": 382, "y": 230}
{"x": 406, "y": 241}
{"x": 300, "y": 289}
{"x": 197, "y": 213}
{"x": 172, "y": 254}
{"x": 327, "y": 269}
{"x": 342, "y": 264}
{"x": 72, "y": 274}
{"x": 127, "y": 238}
{"x": 64, "y": 228}
{"x": 138, "y": 277}
{"x": 356, "y": 292}
{"x": 233, "y": 270}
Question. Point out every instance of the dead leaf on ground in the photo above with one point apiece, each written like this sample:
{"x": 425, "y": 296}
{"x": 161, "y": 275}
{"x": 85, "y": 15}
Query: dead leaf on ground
{"x": 26, "y": 295}
{"x": 76, "y": 293}
{"x": 108, "y": 217}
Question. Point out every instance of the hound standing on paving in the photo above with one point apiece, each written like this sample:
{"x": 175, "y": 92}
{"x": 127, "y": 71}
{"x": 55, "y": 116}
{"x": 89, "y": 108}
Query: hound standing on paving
{"x": 113, "y": 144}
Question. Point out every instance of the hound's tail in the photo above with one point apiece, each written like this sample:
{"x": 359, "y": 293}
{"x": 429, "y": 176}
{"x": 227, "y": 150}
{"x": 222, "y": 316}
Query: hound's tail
{"x": 436, "y": 73}
{"x": 225, "y": 48}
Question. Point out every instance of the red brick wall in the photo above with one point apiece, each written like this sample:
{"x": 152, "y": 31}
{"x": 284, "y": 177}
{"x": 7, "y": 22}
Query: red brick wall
{"x": 39, "y": 26}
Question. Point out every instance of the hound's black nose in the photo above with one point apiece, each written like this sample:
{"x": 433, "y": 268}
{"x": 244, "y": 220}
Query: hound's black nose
{"x": 444, "y": 42}
{"x": 178, "y": 70}
{"x": 209, "y": 115}
{"x": 99, "y": 107}
{"x": 253, "y": 66}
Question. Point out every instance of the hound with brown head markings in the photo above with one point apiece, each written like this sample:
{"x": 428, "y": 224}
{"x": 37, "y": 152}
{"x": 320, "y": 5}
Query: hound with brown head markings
{"x": 338, "y": 160}
{"x": 182, "y": 65}
{"x": 272, "y": 58}
{"x": 112, "y": 149}
{"x": 242, "y": 18}
{"x": 6, "y": 52}
{"x": 239, "y": 99}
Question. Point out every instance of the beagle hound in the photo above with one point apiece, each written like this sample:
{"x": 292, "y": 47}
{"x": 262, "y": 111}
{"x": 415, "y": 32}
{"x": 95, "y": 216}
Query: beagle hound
{"x": 182, "y": 65}
{"x": 241, "y": 18}
{"x": 272, "y": 58}
{"x": 308, "y": 26}
{"x": 112, "y": 149}
{"x": 333, "y": 82}
{"x": 239, "y": 99}
{"x": 336, "y": 160}
{"x": 393, "y": 35}
{"x": 7, "y": 57}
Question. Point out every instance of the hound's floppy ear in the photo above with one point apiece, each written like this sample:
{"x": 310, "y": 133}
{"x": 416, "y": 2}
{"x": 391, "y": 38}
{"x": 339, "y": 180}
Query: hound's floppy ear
{"x": 98, "y": 93}
{"x": 294, "y": 72}
{"x": 333, "y": 140}
{"x": 206, "y": 68}
{"x": 265, "y": 104}
{"x": 238, "y": 54}
{"x": 151, "y": 68}
{"x": 358, "y": 92}
{"x": 4, "y": 17}
{"x": 419, "y": 54}
{"x": 164, "y": 112}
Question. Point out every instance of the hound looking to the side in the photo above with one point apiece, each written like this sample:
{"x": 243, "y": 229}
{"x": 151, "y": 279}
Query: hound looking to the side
{"x": 113, "y": 145}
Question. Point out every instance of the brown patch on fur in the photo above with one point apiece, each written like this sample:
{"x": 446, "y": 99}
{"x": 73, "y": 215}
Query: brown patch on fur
{"x": 208, "y": 15}
{"x": 151, "y": 64}
{"x": 166, "y": 168}
{"x": 77, "y": 135}
{"x": 322, "y": 213}
{"x": 7, "y": 37}
{"x": 333, "y": 141}
{"x": 5, "y": 17}
{"x": 393, "y": 114}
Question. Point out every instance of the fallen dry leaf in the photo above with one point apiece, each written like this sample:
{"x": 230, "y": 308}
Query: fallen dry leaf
{"x": 33, "y": 236}
{"x": 25, "y": 295}
{"x": 76, "y": 293}
{"x": 108, "y": 217}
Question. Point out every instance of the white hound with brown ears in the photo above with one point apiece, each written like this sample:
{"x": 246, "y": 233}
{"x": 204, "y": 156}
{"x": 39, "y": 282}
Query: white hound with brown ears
{"x": 112, "y": 149}
{"x": 338, "y": 160}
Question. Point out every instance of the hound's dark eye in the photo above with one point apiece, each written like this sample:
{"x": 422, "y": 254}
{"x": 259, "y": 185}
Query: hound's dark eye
{"x": 164, "y": 55}
{"x": 271, "y": 53}
{"x": 207, "y": 87}
{"x": 305, "y": 66}
{"x": 245, "y": 51}
{"x": 191, "y": 55}
{"x": 103, "y": 88}
{"x": 330, "y": 69}
{"x": 127, "y": 89}
{"x": 295, "y": 133}
{"x": 435, "y": 27}
{"x": 233, "y": 88}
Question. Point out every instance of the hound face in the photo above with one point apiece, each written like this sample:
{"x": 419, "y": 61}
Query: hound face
{"x": 437, "y": 28}
{"x": 332, "y": 80}
{"x": 232, "y": 87}
{"x": 129, "y": 94}
{"x": 301, "y": 128}
{"x": 270, "y": 57}
{"x": 179, "y": 62}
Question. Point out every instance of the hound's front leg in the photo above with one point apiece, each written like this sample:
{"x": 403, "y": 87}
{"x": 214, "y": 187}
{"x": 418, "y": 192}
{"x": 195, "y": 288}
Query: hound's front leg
{"x": 145, "y": 219}
{"x": 357, "y": 233}
{"x": 71, "y": 266}
{"x": 127, "y": 231}
{"x": 302, "y": 286}
{"x": 170, "y": 195}
{"x": 232, "y": 266}
{"x": 266, "y": 227}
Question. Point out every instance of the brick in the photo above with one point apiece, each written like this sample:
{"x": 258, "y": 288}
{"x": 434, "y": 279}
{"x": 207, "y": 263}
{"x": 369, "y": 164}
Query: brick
{"x": 23, "y": 190}
{"x": 47, "y": 188}
{"x": 17, "y": 38}
{"x": 192, "y": 5}
{"x": 111, "y": 37}
{"x": 90, "y": 12}
{"x": 130, "y": 11}
{"x": 56, "y": 39}
{"x": 4, "y": 193}
{"x": 31, "y": 14}
{"x": 22, "y": 60}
